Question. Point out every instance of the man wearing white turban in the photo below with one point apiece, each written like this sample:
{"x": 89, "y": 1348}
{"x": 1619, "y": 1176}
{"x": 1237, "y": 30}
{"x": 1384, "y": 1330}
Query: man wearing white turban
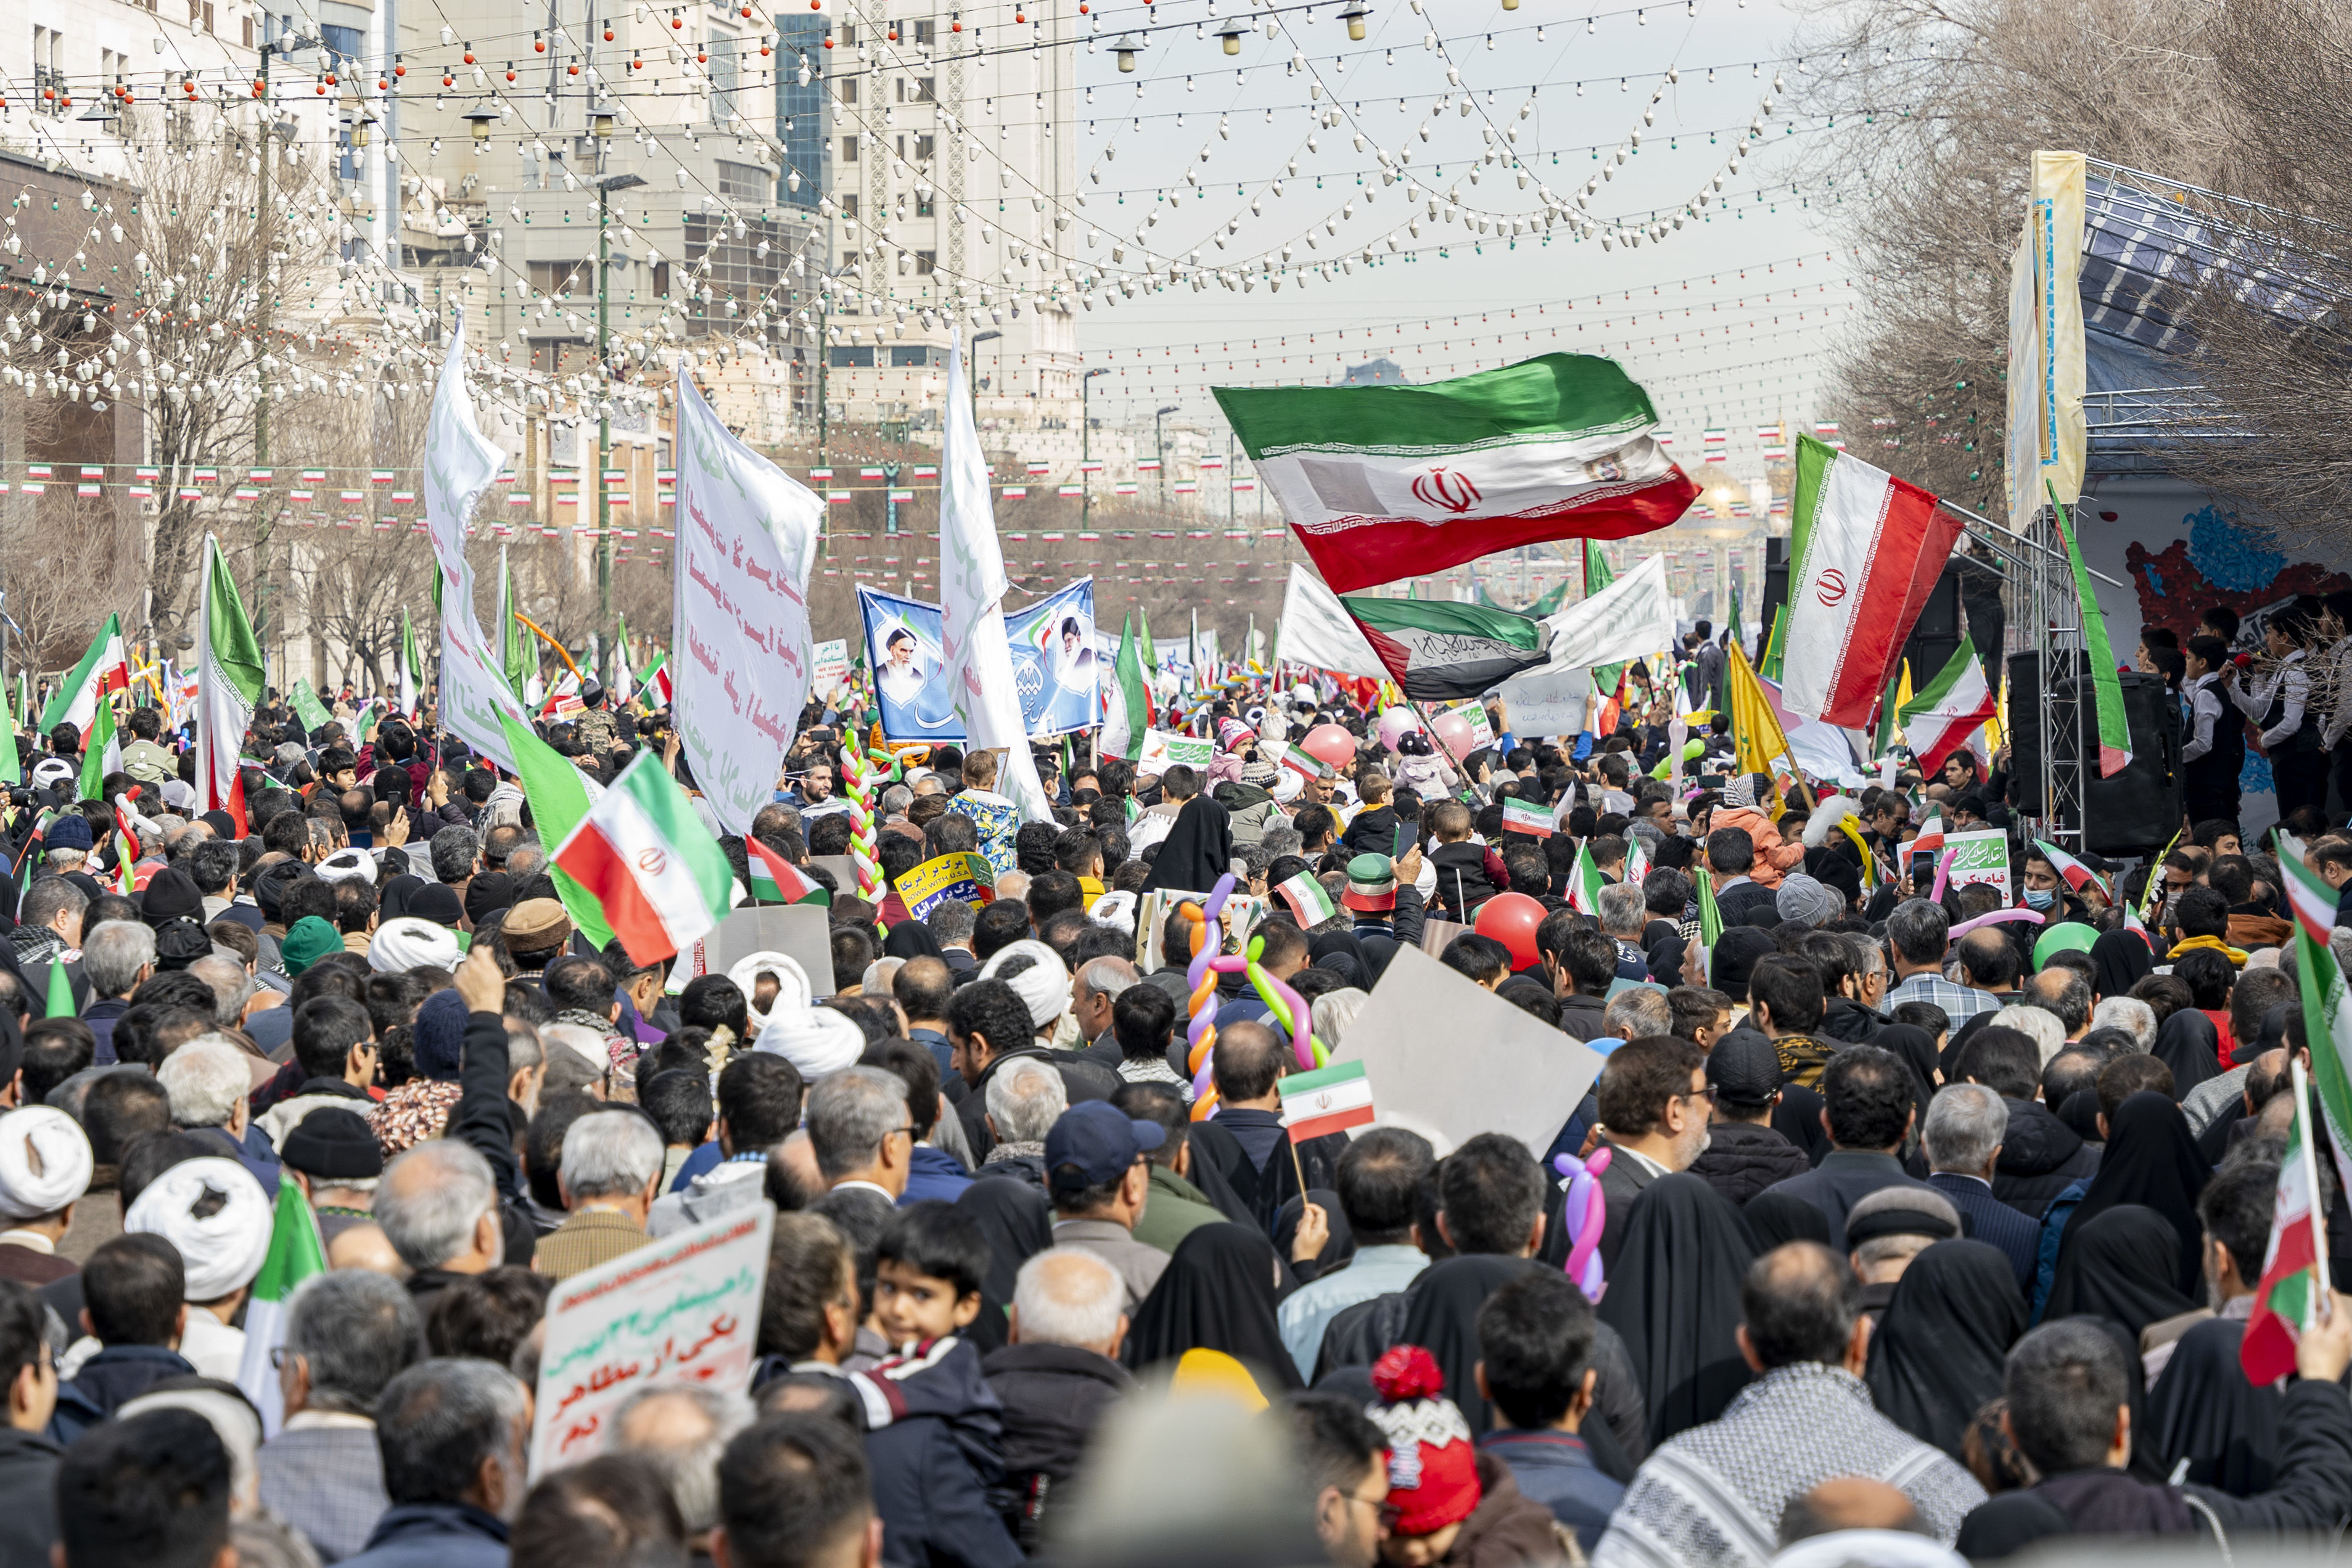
{"x": 215, "y": 1215}
{"x": 45, "y": 1168}
{"x": 1043, "y": 982}
{"x": 405, "y": 943}
{"x": 778, "y": 999}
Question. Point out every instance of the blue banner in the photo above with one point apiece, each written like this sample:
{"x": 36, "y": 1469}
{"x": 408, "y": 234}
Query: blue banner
{"x": 1054, "y": 665}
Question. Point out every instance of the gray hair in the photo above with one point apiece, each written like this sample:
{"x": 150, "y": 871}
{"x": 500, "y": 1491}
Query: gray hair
{"x": 1026, "y": 1098}
{"x": 2129, "y": 1014}
{"x": 63, "y": 861}
{"x": 454, "y": 851}
{"x": 1068, "y": 1295}
{"x": 1623, "y": 909}
{"x": 113, "y": 954}
{"x": 358, "y": 1330}
{"x": 431, "y": 1198}
{"x": 205, "y": 1078}
{"x": 1641, "y": 1010}
{"x": 523, "y": 1050}
{"x": 525, "y": 861}
{"x": 897, "y": 798}
{"x": 1919, "y": 930}
{"x": 951, "y": 920}
{"x": 688, "y": 1428}
{"x": 850, "y": 1112}
{"x": 2038, "y": 1025}
{"x": 1107, "y": 976}
{"x": 1910, "y": 1199}
{"x": 1283, "y": 841}
{"x": 1966, "y": 1122}
{"x": 437, "y": 1421}
{"x": 610, "y": 1154}
{"x": 232, "y": 986}
{"x": 48, "y": 897}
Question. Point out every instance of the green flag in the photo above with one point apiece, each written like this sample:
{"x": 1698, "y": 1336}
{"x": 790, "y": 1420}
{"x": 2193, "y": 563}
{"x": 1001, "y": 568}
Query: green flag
{"x": 1149, "y": 649}
{"x": 11, "y": 770}
{"x": 1598, "y": 576}
{"x": 1549, "y": 601}
{"x": 1771, "y": 666}
{"x": 59, "y": 1003}
{"x": 293, "y": 1256}
{"x": 557, "y": 793}
{"x": 2114, "y": 729}
{"x": 517, "y": 658}
{"x": 1129, "y": 712}
{"x": 1710, "y": 918}
{"x": 308, "y": 708}
{"x": 101, "y": 753}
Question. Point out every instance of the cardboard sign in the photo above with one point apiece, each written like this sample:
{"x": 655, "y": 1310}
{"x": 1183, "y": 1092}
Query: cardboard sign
{"x": 1452, "y": 1061}
{"x": 942, "y": 877}
{"x": 1981, "y": 854}
{"x": 1241, "y": 915}
{"x": 844, "y": 872}
{"x": 1481, "y": 726}
{"x": 1163, "y": 750}
{"x": 685, "y": 1309}
{"x": 801, "y": 931}
{"x": 829, "y": 666}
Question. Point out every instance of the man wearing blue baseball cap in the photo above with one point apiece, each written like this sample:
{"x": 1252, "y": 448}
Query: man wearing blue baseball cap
{"x": 1097, "y": 1180}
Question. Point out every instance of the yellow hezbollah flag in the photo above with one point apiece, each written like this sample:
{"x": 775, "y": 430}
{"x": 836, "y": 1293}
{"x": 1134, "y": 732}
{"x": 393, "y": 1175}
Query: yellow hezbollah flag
{"x": 1756, "y": 734}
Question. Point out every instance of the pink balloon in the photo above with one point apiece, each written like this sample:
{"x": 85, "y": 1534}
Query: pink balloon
{"x": 1332, "y": 744}
{"x": 1395, "y": 724}
{"x": 1453, "y": 733}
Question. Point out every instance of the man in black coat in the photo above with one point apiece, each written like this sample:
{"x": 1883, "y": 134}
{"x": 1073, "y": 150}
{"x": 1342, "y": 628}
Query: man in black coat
{"x": 1058, "y": 1380}
{"x": 2040, "y": 1157}
{"x": 1652, "y": 1102}
{"x": 28, "y": 1460}
{"x": 1868, "y": 1093}
{"x": 1744, "y": 1154}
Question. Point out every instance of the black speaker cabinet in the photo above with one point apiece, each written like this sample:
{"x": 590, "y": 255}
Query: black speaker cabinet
{"x": 2133, "y": 814}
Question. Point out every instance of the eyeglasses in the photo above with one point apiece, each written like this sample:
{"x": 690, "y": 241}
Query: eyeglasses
{"x": 1707, "y": 1094}
{"x": 279, "y": 1356}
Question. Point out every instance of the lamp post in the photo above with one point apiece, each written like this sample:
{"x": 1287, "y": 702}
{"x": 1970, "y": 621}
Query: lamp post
{"x": 605, "y": 186}
{"x": 1085, "y": 441}
{"x": 1160, "y": 448}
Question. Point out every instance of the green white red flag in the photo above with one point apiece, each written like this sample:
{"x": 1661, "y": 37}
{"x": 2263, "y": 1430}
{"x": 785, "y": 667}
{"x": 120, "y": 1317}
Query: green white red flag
{"x": 294, "y": 1256}
{"x": 1865, "y": 550}
{"x": 1329, "y": 1100}
{"x": 2327, "y": 1002}
{"x": 1941, "y": 718}
{"x": 101, "y": 752}
{"x": 1308, "y": 900}
{"x": 1527, "y": 817}
{"x": 1931, "y": 833}
{"x": 644, "y": 855}
{"x": 104, "y": 670}
{"x": 1584, "y": 881}
{"x": 229, "y": 683}
{"x": 1126, "y": 711}
{"x": 2078, "y": 875}
{"x": 2293, "y": 1291}
{"x": 775, "y": 880}
{"x": 1384, "y": 482}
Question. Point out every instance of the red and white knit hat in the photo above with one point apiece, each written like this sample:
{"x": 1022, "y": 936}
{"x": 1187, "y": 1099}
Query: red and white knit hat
{"x": 1433, "y": 1467}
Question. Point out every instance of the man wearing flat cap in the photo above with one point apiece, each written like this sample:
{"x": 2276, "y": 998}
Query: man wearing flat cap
{"x": 535, "y": 932}
{"x": 1888, "y": 1228}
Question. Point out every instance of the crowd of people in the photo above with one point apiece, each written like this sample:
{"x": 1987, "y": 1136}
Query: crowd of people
{"x": 1913, "y": 1247}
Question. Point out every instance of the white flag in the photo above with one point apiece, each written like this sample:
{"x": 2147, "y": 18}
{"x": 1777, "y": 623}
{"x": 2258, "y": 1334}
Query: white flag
{"x": 973, "y": 586}
{"x": 459, "y": 463}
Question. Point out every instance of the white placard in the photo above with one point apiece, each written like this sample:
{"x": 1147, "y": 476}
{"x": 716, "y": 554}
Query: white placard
{"x": 1980, "y": 856}
{"x": 1163, "y": 750}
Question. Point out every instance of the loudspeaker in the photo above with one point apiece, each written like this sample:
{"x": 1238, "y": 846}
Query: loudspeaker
{"x": 2136, "y": 812}
{"x": 1936, "y": 633}
{"x": 1776, "y": 589}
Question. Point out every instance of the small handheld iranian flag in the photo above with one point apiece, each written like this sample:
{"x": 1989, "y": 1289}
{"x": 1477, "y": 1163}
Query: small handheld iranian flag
{"x": 104, "y": 670}
{"x": 1584, "y": 881}
{"x": 2326, "y": 1003}
{"x": 1931, "y": 833}
{"x": 1308, "y": 900}
{"x": 1941, "y": 719}
{"x": 294, "y": 1256}
{"x": 1329, "y": 1100}
{"x": 1637, "y": 862}
{"x": 644, "y": 855}
{"x": 229, "y": 681}
{"x": 1527, "y": 817}
{"x": 1305, "y": 763}
{"x": 2293, "y": 1289}
{"x": 776, "y": 880}
{"x": 101, "y": 752}
{"x": 2078, "y": 875}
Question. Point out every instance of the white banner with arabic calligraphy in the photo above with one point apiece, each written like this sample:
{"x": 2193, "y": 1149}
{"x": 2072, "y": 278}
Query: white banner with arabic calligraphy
{"x": 685, "y": 1309}
{"x": 747, "y": 538}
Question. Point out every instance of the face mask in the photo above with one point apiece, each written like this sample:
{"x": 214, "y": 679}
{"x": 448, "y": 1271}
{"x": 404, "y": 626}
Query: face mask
{"x": 2039, "y": 899}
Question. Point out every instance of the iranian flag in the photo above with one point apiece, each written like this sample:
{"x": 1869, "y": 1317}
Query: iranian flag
{"x": 101, "y": 752}
{"x": 1384, "y": 482}
{"x": 2293, "y": 1288}
{"x": 1308, "y": 900}
{"x": 411, "y": 666}
{"x": 1950, "y": 711}
{"x": 657, "y": 682}
{"x": 1527, "y": 817}
{"x": 2326, "y": 1005}
{"x": 294, "y": 1256}
{"x": 776, "y": 880}
{"x": 1865, "y": 550}
{"x": 1584, "y": 881}
{"x": 2076, "y": 875}
{"x": 229, "y": 679}
{"x": 1126, "y": 712}
{"x": 644, "y": 855}
{"x": 103, "y": 671}
{"x": 1328, "y": 1100}
{"x": 1438, "y": 652}
{"x": 1710, "y": 915}
{"x": 1930, "y": 838}
{"x": 1305, "y": 763}
{"x": 559, "y": 796}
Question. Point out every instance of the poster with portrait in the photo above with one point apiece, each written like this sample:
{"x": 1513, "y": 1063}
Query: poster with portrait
{"x": 1054, "y": 665}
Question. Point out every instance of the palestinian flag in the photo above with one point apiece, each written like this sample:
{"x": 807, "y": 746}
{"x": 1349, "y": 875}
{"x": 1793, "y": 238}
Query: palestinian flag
{"x": 1329, "y": 1100}
{"x": 1439, "y": 652}
{"x": 1126, "y": 712}
{"x": 1865, "y": 549}
{"x": 644, "y": 855}
{"x": 2114, "y": 727}
{"x": 103, "y": 671}
{"x": 229, "y": 681}
{"x": 1942, "y": 718}
{"x": 294, "y": 1256}
{"x": 1308, "y": 900}
{"x": 2293, "y": 1287}
{"x": 1384, "y": 482}
{"x": 1584, "y": 881}
{"x": 2326, "y": 1005}
{"x": 101, "y": 753}
{"x": 1527, "y": 817}
{"x": 2078, "y": 875}
{"x": 775, "y": 880}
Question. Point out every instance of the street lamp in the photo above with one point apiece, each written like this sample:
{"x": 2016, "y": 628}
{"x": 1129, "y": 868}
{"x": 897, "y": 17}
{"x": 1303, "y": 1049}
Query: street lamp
{"x": 606, "y": 187}
{"x": 1159, "y": 446}
{"x": 482, "y": 118}
{"x": 1085, "y": 440}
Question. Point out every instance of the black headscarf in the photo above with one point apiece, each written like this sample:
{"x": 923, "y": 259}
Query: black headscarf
{"x": 2123, "y": 961}
{"x": 393, "y": 902}
{"x": 1674, "y": 1298}
{"x": 2188, "y": 1043}
{"x": 2151, "y": 1161}
{"x": 2203, "y": 1410}
{"x": 1443, "y": 1319}
{"x": 1941, "y": 1347}
{"x": 910, "y": 939}
{"x": 1776, "y": 1219}
{"x": 1018, "y": 1225}
{"x": 1217, "y": 1293}
{"x": 1916, "y": 1047}
{"x": 1197, "y": 851}
{"x": 2118, "y": 1265}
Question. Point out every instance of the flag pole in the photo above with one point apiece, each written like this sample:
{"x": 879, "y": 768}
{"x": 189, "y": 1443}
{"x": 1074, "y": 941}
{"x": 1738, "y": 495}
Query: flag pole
{"x": 2317, "y": 1216}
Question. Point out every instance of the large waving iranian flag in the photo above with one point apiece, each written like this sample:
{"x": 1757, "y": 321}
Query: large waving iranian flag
{"x": 229, "y": 679}
{"x": 1952, "y": 708}
{"x": 103, "y": 671}
{"x": 1866, "y": 549}
{"x": 1384, "y": 482}
{"x": 647, "y": 858}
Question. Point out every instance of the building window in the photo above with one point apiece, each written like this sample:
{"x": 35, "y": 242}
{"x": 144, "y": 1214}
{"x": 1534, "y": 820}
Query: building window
{"x": 661, "y": 280}
{"x": 926, "y": 89}
{"x": 926, "y": 263}
{"x": 561, "y": 278}
{"x": 849, "y": 35}
{"x": 849, "y": 204}
{"x": 847, "y": 90}
{"x": 916, "y": 356}
{"x": 848, "y": 358}
{"x": 849, "y": 149}
{"x": 744, "y": 181}
{"x": 922, "y": 32}
{"x": 926, "y": 147}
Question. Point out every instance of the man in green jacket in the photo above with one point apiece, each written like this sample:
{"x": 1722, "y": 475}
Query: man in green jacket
{"x": 1175, "y": 1208}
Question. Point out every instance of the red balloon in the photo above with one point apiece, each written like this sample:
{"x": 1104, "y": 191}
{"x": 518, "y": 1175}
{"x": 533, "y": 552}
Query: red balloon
{"x": 1332, "y": 742}
{"x": 1511, "y": 919}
